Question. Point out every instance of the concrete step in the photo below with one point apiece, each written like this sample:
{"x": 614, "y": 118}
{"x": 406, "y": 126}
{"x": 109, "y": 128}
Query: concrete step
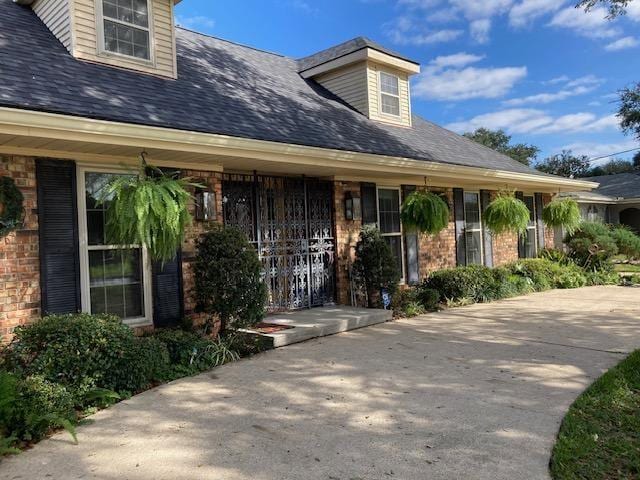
{"x": 319, "y": 322}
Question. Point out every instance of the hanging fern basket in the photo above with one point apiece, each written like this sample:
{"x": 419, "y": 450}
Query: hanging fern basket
{"x": 151, "y": 211}
{"x": 11, "y": 206}
{"x": 507, "y": 214}
{"x": 425, "y": 212}
{"x": 564, "y": 213}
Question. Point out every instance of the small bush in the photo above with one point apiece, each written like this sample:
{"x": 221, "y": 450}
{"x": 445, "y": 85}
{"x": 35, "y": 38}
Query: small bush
{"x": 428, "y": 298}
{"x": 375, "y": 265}
{"x": 601, "y": 278}
{"x": 31, "y": 407}
{"x": 628, "y": 242}
{"x": 407, "y": 304}
{"x": 474, "y": 282}
{"x": 83, "y": 352}
{"x": 570, "y": 279}
{"x": 592, "y": 246}
{"x": 228, "y": 278}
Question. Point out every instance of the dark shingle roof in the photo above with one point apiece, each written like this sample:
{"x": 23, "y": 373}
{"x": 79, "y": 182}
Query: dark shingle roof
{"x": 621, "y": 185}
{"x": 222, "y": 88}
{"x": 343, "y": 49}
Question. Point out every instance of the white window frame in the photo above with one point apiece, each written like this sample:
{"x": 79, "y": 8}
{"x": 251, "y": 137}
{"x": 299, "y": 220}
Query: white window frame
{"x": 534, "y": 225}
{"x": 84, "y": 247}
{"x": 381, "y": 93}
{"x": 473, "y": 230}
{"x": 393, "y": 234}
{"x": 102, "y": 50}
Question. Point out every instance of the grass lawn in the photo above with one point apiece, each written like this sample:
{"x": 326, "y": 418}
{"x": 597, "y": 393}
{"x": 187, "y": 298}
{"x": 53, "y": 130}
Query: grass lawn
{"x": 600, "y": 435}
{"x": 627, "y": 268}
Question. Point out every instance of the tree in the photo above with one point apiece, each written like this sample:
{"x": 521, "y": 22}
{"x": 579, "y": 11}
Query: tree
{"x": 228, "y": 278}
{"x": 498, "y": 140}
{"x": 614, "y": 166}
{"x": 565, "y": 164}
{"x": 615, "y": 7}
{"x": 629, "y": 110}
{"x": 636, "y": 161}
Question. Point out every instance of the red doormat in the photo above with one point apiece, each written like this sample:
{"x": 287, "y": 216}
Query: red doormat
{"x": 270, "y": 328}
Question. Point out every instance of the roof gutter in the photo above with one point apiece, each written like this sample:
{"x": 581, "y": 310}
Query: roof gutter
{"x": 24, "y": 2}
{"x": 30, "y": 123}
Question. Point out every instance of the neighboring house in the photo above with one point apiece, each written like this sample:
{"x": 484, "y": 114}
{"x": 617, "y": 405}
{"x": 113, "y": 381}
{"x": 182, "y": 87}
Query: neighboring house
{"x": 283, "y": 144}
{"x": 616, "y": 200}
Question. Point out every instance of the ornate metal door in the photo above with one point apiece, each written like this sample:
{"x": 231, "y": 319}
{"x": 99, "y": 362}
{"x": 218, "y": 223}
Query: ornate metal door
{"x": 290, "y": 221}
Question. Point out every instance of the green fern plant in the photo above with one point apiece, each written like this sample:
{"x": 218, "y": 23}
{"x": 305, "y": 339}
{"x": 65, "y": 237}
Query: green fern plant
{"x": 507, "y": 214}
{"x": 148, "y": 210}
{"x": 425, "y": 212}
{"x": 563, "y": 213}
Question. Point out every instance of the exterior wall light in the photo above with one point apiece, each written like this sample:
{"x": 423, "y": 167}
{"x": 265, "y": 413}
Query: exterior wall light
{"x": 352, "y": 207}
{"x": 206, "y": 206}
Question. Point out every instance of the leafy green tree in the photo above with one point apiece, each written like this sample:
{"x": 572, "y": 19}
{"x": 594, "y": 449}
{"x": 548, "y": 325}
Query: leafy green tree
{"x": 498, "y": 140}
{"x": 615, "y": 7}
{"x": 565, "y": 164}
{"x": 616, "y": 165}
{"x": 228, "y": 278}
{"x": 629, "y": 110}
{"x": 375, "y": 266}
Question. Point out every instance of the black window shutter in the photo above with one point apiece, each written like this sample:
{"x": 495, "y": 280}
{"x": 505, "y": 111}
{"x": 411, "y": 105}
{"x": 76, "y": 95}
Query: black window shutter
{"x": 485, "y": 200}
{"x": 168, "y": 300}
{"x": 539, "y": 223}
{"x": 411, "y": 245}
{"x": 369, "y": 200}
{"x": 58, "y": 231}
{"x": 458, "y": 210}
{"x": 522, "y": 249}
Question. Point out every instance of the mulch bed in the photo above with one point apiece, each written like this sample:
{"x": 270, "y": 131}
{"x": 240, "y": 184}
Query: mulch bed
{"x": 270, "y": 328}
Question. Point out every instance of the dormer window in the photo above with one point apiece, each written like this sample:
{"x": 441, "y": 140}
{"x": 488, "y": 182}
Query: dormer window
{"x": 126, "y": 28}
{"x": 389, "y": 94}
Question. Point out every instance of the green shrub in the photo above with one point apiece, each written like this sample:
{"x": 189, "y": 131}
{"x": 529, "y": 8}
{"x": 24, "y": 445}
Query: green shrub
{"x": 228, "y": 278}
{"x": 30, "y": 408}
{"x": 474, "y": 282}
{"x": 570, "y": 279}
{"x": 539, "y": 272}
{"x": 407, "y": 304}
{"x": 375, "y": 265}
{"x": 601, "y": 278}
{"x": 506, "y": 214}
{"x": 84, "y": 352}
{"x": 628, "y": 242}
{"x": 555, "y": 255}
{"x": 428, "y": 298}
{"x": 564, "y": 213}
{"x": 190, "y": 353}
{"x": 424, "y": 212}
{"x": 592, "y": 246}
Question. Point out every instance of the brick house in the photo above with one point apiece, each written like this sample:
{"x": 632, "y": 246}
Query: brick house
{"x": 281, "y": 144}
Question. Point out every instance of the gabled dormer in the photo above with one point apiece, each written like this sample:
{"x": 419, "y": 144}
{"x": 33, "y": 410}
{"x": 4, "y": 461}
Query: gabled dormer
{"x": 367, "y": 76}
{"x": 133, "y": 34}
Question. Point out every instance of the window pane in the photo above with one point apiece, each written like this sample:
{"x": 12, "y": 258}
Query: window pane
{"x": 472, "y": 211}
{"x": 126, "y": 40}
{"x": 115, "y": 282}
{"x": 140, "y": 13}
{"x": 389, "y": 84}
{"x": 395, "y": 242}
{"x": 529, "y": 202}
{"x": 530, "y": 243}
{"x": 135, "y": 12}
{"x": 389, "y": 210}
{"x": 390, "y": 105}
{"x": 473, "y": 248}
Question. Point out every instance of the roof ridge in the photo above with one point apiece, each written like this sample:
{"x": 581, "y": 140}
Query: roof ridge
{"x": 208, "y": 35}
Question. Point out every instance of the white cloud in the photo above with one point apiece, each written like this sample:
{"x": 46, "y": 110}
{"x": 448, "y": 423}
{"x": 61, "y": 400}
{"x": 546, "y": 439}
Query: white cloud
{"x": 404, "y": 31}
{"x": 593, "y": 149}
{"x": 534, "y": 121}
{"x": 592, "y": 24}
{"x": 458, "y": 60}
{"x": 470, "y": 82}
{"x": 572, "y": 88}
{"x": 622, "y": 44}
{"x": 587, "y": 81}
{"x": 633, "y": 11}
{"x": 479, "y": 30}
{"x": 560, "y": 79}
{"x": 196, "y": 21}
{"x": 526, "y": 11}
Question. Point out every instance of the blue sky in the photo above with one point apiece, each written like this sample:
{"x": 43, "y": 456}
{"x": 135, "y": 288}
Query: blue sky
{"x": 539, "y": 69}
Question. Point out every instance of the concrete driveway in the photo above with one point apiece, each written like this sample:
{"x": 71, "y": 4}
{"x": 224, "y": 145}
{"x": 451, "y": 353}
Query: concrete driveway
{"x": 471, "y": 393}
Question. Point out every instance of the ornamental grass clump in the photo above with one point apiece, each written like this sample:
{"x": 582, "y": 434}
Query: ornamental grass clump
{"x": 425, "y": 212}
{"x": 564, "y": 213}
{"x": 507, "y": 214}
{"x": 148, "y": 210}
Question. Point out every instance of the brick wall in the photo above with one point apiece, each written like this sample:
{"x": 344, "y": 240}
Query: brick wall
{"x": 212, "y": 181}
{"x": 19, "y": 260}
{"x": 549, "y": 233}
{"x": 347, "y": 232}
{"x": 439, "y": 251}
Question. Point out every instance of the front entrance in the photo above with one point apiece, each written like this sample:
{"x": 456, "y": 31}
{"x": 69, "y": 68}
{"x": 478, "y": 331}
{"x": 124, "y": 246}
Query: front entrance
{"x": 290, "y": 221}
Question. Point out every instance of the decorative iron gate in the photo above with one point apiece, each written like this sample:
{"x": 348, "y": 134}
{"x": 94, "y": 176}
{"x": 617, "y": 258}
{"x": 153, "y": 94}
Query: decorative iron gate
{"x": 290, "y": 222}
